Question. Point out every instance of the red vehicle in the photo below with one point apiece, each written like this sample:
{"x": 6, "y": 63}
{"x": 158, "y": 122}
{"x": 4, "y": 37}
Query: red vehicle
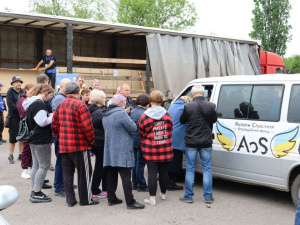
{"x": 271, "y": 63}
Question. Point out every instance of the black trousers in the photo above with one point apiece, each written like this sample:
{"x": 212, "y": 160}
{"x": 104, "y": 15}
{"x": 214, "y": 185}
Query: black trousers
{"x": 1, "y": 125}
{"x": 82, "y": 162}
{"x": 52, "y": 78}
{"x": 100, "y": 173}
{"x": 112, "y": 183}
{"x": 162, "y": 169}
{"x": 175, "y": 166}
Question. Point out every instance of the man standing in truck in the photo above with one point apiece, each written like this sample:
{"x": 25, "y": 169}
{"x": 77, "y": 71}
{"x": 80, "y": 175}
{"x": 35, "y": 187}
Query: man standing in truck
{"x": 50, "y": 67}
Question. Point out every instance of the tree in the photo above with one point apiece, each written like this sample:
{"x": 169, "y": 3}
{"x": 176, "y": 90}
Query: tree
{"x": 292, "y": 64}
{"x": 170, "y": 14}
{"x": 270, "y": 24}
{"x": 85, "y": 9}
{"x": 51, "y": 7}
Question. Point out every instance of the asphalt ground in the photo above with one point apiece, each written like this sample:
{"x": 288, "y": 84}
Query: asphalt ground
{"x": 234, "y": 204}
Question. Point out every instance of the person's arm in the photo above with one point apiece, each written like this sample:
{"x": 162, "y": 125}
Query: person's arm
{"x": 39, "y": 64}
{"x": 140, "y": 126}
{"x": 129, "y": 124}
{"x": 55, "y": 125}
{"x": 214, "y": 114}
{"x": 42, "y": 119}
{"x": 86, "y": 123}
{"x": 12, "y": 105}
{"x": 184, "y": 116}
{"x": 50, "y": 64}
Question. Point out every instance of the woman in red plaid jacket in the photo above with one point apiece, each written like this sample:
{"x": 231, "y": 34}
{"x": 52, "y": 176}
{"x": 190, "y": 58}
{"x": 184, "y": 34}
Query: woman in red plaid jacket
{"x": 155, "y": 127}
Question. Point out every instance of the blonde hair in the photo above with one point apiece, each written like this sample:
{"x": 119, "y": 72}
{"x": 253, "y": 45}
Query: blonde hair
{"x": 156, "y": 97}
{"x": 40, "y": 89}
{"x": 96, "y": 96}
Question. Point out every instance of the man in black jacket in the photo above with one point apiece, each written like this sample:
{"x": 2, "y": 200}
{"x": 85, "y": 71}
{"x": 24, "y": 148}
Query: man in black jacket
{"x": 12, "y": 97}
{"x": 200, "y": 115}
{"x": 125, "y": 91}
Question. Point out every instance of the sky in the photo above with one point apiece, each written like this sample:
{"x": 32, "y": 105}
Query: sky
{"x": 230, "y": 18}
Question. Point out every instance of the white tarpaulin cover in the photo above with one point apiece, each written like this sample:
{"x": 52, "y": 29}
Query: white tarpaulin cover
{"x": 176, "y": 60}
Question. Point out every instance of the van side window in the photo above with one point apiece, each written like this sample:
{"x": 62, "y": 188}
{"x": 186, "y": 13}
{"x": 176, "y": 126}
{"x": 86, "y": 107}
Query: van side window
{"x": 294, "y": 105}
{"x": 233, "y": 101}
{"x": 254, "y": 102}
{"x": 207, "y": 95}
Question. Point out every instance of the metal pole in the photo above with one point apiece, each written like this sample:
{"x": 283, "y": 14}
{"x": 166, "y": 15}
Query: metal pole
{"x": 148, "y": 67}
{"x": 69, "y": 48}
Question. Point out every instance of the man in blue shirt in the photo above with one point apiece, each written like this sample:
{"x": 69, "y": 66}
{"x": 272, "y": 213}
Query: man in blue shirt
{"x": 50, "y": 67}
{"x": 2, "y": 109}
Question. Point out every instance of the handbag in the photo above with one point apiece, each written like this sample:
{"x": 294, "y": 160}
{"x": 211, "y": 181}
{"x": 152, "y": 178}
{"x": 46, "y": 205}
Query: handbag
{"x": 7, "y": 122}
{"x": 24, "y": 134}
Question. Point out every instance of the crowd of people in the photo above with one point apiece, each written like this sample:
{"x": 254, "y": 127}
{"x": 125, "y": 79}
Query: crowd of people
{"x": 124, "y": 136}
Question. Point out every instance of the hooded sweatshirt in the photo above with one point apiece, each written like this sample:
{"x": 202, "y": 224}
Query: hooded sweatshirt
{"x": 39, "y": 119}
{"x": 155, "y": 127}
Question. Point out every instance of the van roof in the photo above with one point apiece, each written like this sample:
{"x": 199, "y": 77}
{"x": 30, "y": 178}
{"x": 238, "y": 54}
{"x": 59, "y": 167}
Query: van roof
{"x": 250, "y": 78}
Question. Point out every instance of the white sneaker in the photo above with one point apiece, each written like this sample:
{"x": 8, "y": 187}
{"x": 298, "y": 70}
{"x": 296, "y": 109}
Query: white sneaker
{"x": 25, "y": 175}
{"x": 163, "y": 197}
{"x": 150, "y": 202}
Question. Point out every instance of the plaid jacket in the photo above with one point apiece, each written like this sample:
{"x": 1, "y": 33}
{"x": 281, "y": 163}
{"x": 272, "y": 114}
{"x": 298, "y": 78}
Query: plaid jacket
{"x": 156, "y": 138}
{"x": 72, "y": 126}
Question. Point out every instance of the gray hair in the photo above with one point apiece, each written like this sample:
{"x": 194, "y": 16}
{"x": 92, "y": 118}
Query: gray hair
{"x": 42, "y": 78}
{"x": 198, "y": 89}
{"x": 95, "y": 81}
{"x": 72, "y": 88}
{"x": 97, "y": 96}
{"x": 118, "y": 100}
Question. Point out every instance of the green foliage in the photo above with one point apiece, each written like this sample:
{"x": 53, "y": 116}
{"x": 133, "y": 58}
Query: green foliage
{"x": 169, "y": 14}
{"x": 292, "y": 64}
{"x": 270, "y": 24}
{"x": 85, "y": 9}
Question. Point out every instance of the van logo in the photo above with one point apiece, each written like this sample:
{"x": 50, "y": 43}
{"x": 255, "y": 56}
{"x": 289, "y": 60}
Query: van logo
{"x": 225, "y": 136}
{"x": 282, "y": 144}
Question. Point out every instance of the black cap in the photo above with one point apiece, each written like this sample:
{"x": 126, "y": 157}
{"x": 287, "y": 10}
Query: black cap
{"x": 16, "y": 78}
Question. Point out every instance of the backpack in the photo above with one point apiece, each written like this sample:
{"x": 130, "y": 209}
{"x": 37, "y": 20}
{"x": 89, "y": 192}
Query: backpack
{"x": 24, "y": 134}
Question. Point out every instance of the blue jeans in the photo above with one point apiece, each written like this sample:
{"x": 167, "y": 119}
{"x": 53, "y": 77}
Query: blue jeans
{"x": 297, "y": 217}
{"x": 58, "y": 176}
{"x": 191, "y": 158}
{"x": 138, "y": 179}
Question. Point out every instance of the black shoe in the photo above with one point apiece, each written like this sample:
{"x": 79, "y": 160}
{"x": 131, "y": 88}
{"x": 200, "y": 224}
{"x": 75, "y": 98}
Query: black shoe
{"x": 174, "y": 187}
{"x": 75, "y": 186}
{"x": 94, "y": 202}
{"x": 3, "y": 141}
{"x": 115, "y": 202}
{"x": 142, "y": 189}
{"x": 46, "y": 181}
{"x": 60, "y": 194}
{"x": 10, "y": 159}
{"x": 38, "y": 197}
{"x": 20, "y": 157}
{"x": 134, "y": 188}
{"x": 136, "y": 206}
{"x": 46, "y": 186}
{"x": 72, "y": 204}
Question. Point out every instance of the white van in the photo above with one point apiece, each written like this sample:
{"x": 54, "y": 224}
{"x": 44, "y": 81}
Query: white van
{"x": 257, "y": 133}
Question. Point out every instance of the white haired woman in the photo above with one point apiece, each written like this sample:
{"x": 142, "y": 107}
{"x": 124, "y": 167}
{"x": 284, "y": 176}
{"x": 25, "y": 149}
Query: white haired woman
{"x": 97, "y": 105}
{"x": 118, "y": 154}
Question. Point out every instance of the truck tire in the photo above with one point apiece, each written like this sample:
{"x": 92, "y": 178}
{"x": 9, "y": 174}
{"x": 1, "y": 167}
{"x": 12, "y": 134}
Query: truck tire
{"x": 295, "y": 190}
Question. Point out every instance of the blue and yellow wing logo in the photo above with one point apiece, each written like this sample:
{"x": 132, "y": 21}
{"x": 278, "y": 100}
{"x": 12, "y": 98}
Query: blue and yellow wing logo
{"x": 225, "y": 136}
{"x": 282, "y": 144}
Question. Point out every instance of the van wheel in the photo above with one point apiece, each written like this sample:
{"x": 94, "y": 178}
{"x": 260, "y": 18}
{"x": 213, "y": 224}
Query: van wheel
{"x": 295, "y": 190}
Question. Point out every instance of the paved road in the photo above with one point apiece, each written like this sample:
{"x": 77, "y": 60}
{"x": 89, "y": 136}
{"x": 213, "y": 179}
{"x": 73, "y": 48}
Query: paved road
{"x": 234, "y": 204}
